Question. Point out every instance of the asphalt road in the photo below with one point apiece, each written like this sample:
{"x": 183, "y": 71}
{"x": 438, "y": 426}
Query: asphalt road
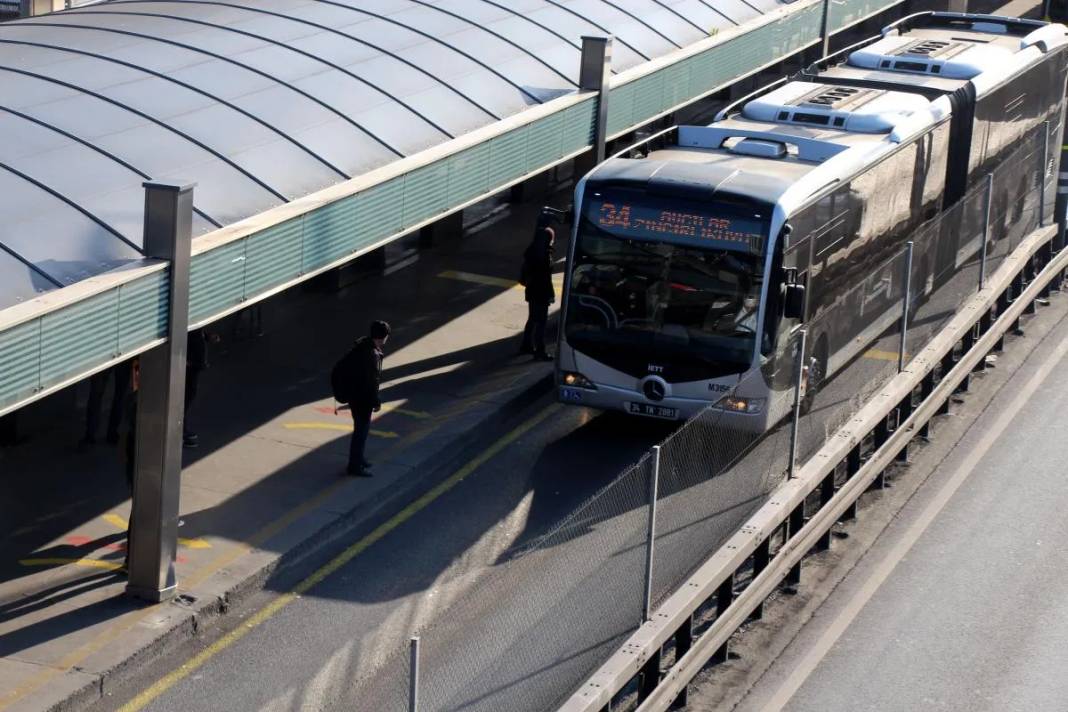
{"x": 960, "y": 604}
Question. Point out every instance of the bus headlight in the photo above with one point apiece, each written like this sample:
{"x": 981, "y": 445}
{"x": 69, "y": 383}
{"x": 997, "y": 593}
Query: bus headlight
{"x": 735, "y": 404}
{"x": 577, "y": 380}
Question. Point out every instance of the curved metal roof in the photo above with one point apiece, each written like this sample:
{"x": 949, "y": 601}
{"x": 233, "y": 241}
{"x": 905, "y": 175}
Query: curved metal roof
{"x": 264, "y": 101}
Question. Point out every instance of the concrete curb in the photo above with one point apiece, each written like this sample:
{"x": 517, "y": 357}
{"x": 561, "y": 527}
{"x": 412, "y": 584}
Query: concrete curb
{"x": 183, "y": 621}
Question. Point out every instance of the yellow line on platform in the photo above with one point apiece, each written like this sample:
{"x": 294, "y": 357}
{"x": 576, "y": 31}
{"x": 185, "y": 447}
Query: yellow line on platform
{"x": 340, "y": 427}
{"x": 488, "y": 281}
{"x": 85, "y": 563}
{"x": 197, "y": 661}
{"x": 119, "y": 522}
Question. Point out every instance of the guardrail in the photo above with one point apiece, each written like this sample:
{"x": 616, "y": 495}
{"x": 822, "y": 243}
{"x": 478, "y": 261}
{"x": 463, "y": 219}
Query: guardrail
{"x": 768, "y": 550}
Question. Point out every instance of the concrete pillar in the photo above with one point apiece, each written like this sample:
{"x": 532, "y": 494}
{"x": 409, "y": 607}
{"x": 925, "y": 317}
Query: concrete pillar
{"x": 594, "y": 75}
{"x": 153, "y": 537}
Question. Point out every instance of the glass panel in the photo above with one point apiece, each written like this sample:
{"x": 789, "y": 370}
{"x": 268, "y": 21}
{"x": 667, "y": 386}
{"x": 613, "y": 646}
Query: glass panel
{"x": 662, "y": 20}
{"x": 18, "y": 282}
{"x": 55, "y": 237}
{"x": 635, "y": 33}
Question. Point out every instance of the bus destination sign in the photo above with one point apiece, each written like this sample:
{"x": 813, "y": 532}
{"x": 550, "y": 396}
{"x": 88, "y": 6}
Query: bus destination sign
{"x": 650, "y": 221}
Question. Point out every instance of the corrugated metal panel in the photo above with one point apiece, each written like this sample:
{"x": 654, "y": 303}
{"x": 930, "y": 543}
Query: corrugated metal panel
{"x": 469, "y": 174}
{"x": 143, "y": 311}
{"x": 426, "y": 193}
{"x": 80, "y": 337}
{"x": 273, "y": 256}
{"x": 847, "y": 12}
{"x": 636, "y": 102}
{"x": 20, "y": 359}
{"x": 543, "y": 143}
{"x": 216, "y": 280}
{"x": 378, "y": 212}
{"x": 327, "y": 233}
{"x": 507, "y": 152}
{"x": 577, "y": 130}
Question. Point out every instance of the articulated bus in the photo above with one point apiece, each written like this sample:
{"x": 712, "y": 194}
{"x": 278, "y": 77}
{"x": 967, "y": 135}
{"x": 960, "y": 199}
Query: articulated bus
{"x": 690, "y": 268}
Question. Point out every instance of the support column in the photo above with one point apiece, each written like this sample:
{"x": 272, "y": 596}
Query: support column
{"x": 153, "y": 537}
{"x": 594, "y": 74}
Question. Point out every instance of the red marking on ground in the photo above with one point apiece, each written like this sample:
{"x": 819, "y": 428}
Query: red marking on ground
{"x": 325, "y": 409}
{"x": 81, "y": 540}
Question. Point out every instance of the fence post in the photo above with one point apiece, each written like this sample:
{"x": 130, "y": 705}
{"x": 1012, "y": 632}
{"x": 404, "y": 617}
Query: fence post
{"x": 825, "y": 30}
{"x": 905, "y": 304}
{"x": 1042, "y": 175}
{"x": 413, "y": 675}
{"x": 986, "y": 228}
{"x": 799, "y": 376}
{"x": 647, "y": 599}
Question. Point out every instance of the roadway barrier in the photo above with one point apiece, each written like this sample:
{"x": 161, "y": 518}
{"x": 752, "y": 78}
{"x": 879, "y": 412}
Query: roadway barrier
{"x": 604, "y": 584}
{"x": 56, "y": 340}
{"x": 959, "y": 320}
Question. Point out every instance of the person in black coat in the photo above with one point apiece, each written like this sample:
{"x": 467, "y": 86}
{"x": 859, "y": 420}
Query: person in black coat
{"x": 364, "y": 365}
{"x": 537, "y": 277}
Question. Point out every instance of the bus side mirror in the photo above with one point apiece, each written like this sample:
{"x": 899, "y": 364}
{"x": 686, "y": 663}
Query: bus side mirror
{"x": 794, "y": 301}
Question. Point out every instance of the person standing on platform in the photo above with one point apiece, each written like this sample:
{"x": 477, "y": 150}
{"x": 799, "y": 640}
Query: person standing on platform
{"x": 98, "y": 384}
{"x": 537, "y": 276}
{"x": 196, "y": 360}
{"x": 355, "y": 381}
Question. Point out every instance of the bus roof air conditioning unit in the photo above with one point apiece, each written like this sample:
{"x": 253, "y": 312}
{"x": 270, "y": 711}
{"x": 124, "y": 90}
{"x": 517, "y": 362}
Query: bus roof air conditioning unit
{"x": 953, "y": 59}
{"x": 843, "y": 108}
{"x": 761, "y": 148}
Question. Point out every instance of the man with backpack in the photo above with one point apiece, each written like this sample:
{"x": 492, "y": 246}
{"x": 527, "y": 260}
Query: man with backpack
{"x": 354, "y": 380}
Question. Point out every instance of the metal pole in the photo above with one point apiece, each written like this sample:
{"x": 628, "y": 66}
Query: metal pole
{"x": 413, "y": 675}
{"x": 986, "y": 227}
{"x": 153, "y": 537}
{"x": 650, "y": 536}
{"x": 825, "y": 27}
{"x": 1042, "y": 175}
{"x": 798, "y": 378}
{"x": 905, "y": 303}
{"x": 595, "y": 71}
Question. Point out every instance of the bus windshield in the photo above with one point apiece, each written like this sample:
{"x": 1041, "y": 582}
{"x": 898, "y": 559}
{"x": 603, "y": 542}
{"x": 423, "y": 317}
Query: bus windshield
{"x": 666, "y": 282}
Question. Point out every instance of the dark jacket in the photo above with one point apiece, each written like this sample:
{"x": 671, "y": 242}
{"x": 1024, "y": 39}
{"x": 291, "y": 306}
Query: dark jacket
{"x": 366, "y": 365}
{"x": 537, "y": 269}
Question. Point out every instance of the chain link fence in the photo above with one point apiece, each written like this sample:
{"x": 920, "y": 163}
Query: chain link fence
{"x": 559, "y": 606}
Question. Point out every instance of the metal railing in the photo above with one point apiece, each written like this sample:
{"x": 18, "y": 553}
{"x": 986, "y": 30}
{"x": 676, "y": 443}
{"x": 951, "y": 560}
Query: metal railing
{"x": 982, "y": 256}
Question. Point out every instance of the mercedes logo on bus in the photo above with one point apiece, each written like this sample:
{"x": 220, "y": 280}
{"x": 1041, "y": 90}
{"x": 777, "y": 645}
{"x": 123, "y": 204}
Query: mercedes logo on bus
{"x": 654, "y": 388}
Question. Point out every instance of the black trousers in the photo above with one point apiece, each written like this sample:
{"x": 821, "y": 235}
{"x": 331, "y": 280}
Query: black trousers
{"x": 534, "y": 331}
{"x": 97, "y": 386}
{"x": 361, "y": 428}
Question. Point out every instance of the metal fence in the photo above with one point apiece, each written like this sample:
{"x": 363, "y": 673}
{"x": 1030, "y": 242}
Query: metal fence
{"x": 600, "y": 573}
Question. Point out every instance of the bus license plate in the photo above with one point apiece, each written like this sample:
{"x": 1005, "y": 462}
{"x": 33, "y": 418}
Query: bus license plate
{"x": 654, "y": 411}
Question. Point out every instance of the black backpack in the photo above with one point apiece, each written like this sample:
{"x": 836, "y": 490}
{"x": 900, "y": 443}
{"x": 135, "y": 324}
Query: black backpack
{"x": 341, "y": 377}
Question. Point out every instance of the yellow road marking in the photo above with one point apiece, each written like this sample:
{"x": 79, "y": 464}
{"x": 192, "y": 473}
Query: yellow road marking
{"x": 122, "y": 524}
{"x": 117, "y": 521}
{"x": 196, "y": 662}
{"x": 86, "y": 563}
{"x": 880, "y": 355}
{"x": 486, "y": 280}
{"x": 341, "y": 427}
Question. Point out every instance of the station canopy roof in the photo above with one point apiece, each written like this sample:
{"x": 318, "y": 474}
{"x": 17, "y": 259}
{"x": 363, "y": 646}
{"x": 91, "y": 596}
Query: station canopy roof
{"x": 263, "y": 101}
